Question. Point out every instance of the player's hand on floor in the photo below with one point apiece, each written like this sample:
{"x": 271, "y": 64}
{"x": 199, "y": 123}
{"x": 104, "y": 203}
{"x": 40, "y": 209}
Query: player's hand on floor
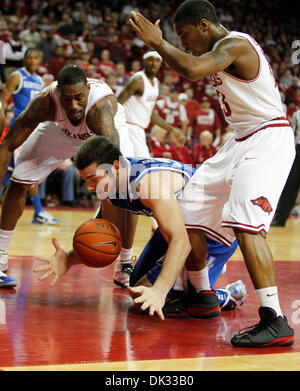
{"x": 55, "y": 266}
{"x": 150, "y": 298}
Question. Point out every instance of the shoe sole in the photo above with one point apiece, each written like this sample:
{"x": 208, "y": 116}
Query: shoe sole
{"x": 13, "y": 285}
{"x": 283, "y": 341}
{"x": 181, "y": 315}
{"x": 204, "y": 313}
{"x": 119, "y": 284}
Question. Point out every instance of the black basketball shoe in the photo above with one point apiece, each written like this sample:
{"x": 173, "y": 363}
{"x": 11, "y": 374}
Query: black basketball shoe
{"x": 175, "y": 306}
{"x": 272, "y": 330}
{"x": 203, "y": 304}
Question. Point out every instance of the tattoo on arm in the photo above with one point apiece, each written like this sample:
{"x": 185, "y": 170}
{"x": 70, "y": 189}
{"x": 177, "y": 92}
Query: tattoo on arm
{"x": 100, "y": 120}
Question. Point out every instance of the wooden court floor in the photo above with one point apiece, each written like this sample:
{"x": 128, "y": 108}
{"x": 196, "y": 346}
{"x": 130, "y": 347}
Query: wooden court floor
{"x": 85, "y": 323}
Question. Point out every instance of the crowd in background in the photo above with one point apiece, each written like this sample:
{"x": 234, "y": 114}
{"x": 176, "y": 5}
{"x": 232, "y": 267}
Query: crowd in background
{"x": 97, "y": 36}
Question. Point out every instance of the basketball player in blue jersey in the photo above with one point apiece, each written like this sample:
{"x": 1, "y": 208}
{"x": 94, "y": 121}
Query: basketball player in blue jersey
{"x": 152, "y": 187}
{"x": 50, "y": 130}
{"x": 23, "y": 85}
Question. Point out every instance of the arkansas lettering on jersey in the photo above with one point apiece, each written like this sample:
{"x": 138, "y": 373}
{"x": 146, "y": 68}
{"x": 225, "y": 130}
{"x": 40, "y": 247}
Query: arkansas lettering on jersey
{"x": 249, "y": 105}
{"x": 172, "y": 112}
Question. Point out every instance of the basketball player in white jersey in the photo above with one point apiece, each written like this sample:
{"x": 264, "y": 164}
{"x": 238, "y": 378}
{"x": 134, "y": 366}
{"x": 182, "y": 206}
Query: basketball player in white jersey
{"x": 238, "y": 189}
{"x": 138, "y": 99}
{"x": 50, "y": 130}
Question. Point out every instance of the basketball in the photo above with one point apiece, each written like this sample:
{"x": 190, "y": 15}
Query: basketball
{"x": 97, "y": 243}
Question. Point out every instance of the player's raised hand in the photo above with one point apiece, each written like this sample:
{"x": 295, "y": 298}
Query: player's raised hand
{"x": 150, "y": 33}
{"x": 149, "y": 297}
{"x": 56, "y": 265}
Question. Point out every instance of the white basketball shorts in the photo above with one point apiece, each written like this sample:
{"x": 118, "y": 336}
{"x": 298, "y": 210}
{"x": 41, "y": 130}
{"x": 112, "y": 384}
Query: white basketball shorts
{"x": 240, "y": 186}
{"x": 138, "y": 139}
{"x": 47, "y": 147}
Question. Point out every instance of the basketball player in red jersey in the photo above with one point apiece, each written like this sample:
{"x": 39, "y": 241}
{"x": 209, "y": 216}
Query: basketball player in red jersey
{"x": 240, "y": 186}
{"x": 50, "y": 130}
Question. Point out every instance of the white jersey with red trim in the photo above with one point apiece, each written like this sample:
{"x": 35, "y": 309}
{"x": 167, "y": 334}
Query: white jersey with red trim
{"x": 249, "y": 104}
{"x": 98, "y": 90}
{"x": 138, "y": 109}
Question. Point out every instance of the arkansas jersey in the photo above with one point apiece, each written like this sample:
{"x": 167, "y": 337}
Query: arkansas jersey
{"x": 249, "y": 105}
{"x": 98, "y": 90}
{"x": 172, "y": 112}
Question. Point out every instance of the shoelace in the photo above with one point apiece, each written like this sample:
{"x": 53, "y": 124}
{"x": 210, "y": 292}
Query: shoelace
{"x": 258, "y": 326}
{"x": 126, "y": 268}
{"x": 2, "y": 252}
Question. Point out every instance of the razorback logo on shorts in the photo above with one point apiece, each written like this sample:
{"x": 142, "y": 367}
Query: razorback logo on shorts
{"x": 263, "y": 203}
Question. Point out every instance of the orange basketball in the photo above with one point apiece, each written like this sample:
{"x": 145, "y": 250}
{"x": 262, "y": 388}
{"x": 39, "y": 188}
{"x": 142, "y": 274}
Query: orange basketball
{"x": 97, "y": 242}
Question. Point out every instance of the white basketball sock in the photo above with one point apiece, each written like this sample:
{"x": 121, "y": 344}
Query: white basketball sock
{"x": 5, "y": 238}
{"x": 268, "y": 297}
{"x": 199, "y": 279}
{"x": 125, "y": 254}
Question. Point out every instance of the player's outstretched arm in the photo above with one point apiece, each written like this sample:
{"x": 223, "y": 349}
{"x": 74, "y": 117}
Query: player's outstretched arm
{"x": 100, "y": 118}
{"x": 192, "y": 67}
{"x": 38, "y": 110}
{"x": 57, "y": 264}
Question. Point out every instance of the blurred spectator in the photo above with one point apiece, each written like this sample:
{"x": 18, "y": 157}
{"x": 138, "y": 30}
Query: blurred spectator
{"x": 47, "y": 45}
{"x": 111, "y": 80}
{"x": 91, "y": 72}
{"x": 287, "y": 78}
{"x": 136, "y": 66}
{"x": 157, "y": 143}
{"x": 57, "y": 62}
{"x": 105, "y": 65}
{"x": 164, "y": 91}
{"x": 191, "y": 106}
{"x": 206, "y": 119}
{"x": 204, "y": 149}
{"x": 173, "y": 111}
{"x": 31, "y": 36}
{"x": 122, "y": 76}
{"x": 179, "y": 151}
{"x": 14, "y": 52}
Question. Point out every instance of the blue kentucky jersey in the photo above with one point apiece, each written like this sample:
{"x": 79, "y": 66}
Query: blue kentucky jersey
{"x": 29, "y": 87}
{"x": 137, "y": 169}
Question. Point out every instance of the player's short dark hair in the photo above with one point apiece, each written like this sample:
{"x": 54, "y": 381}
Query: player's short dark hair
{"x": 71, "y": 74}
{"x": 31, "y": 50}
{"x": 192, "y": 11}
{"x": 97, "y": 149}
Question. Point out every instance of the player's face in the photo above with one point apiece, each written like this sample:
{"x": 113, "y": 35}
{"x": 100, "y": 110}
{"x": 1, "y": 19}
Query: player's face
{"x": 73, "y": 99}
{"x": 152, "y": 65}
{"x": 32, "y": 61}
{"x": 193, "y": 38}
{"x": 100, "y": 180}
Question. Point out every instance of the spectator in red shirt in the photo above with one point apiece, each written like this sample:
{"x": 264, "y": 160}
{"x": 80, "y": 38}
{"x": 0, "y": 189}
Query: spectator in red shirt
{"x": 204, "y": 149}
{"x": 157, "y": 143}
{"x": 105, "y": 65}
{"x": 179, "y": 151}
{"x": 206, "y": 119}
{"x": 57, "y": 62}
